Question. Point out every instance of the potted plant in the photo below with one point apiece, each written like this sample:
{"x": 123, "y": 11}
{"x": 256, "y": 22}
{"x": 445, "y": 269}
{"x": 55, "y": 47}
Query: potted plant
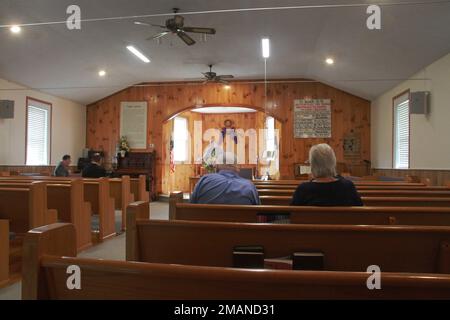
{"x": 123, "y": 146}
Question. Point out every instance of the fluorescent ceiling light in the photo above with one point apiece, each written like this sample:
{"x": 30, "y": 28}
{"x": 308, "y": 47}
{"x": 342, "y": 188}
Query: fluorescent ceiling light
{"x": 138, "y": 54}
{"x": 15, "y": 29}
{"x": 220, "y": 109}
{"x": 265, "y": 48}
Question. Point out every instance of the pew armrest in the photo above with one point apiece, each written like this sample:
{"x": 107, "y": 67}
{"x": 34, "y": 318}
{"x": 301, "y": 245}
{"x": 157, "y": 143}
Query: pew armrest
{"x": 57, "y": 239}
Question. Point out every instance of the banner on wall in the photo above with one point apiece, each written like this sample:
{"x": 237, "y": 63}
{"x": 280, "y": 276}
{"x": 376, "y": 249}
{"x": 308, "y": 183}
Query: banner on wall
{"x": 312, "y": 118}
{"x": 133, "y": 123}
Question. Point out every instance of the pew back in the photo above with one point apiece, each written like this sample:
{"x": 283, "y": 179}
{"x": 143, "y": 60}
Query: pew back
{"x": 316, "y": 215}
{"x": 346, "y": 248}
{"x": 25, "y": 208}
{"x": 48, "y": 251}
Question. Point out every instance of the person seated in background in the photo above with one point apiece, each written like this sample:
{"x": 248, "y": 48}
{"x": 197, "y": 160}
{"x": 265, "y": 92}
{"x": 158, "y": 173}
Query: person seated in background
{"x": 225, "y": 186}
{"x": 62, "y": 170}
{"x": 94, "y": 169}
{"x": 325, "y": 187}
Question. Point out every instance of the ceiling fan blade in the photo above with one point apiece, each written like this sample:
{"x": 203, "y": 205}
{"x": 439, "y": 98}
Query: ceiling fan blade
{"x": 148, "y": 24}
{"x": 200, "y": 30}
{"x": 157, "y": 36}
{"x": 187, "y": 39}
{"x": 226, "y": 76}
{"x": 222, "y": 81}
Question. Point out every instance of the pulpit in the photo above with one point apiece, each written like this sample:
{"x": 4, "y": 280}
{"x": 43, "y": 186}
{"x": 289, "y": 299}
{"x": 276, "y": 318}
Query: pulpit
{"x": 139, "y": 163}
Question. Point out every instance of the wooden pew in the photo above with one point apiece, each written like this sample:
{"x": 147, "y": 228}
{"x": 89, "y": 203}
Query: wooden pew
{"x": 373, "y": 201}
{"x": 120, "y": 190}
{"x": 139, "y": 189}
{"x": 49, "y": 250}
{"x": 421, "y": 216}
{"x": 368, "y": 193}
{"x": 96, "y": 192}
{"x": 68, "y": 201}
{"x": 295, "y": 183}
{"x": 418, "y": 249}
{"x": 4, "y": 252}
{"x": 26, "y": 208}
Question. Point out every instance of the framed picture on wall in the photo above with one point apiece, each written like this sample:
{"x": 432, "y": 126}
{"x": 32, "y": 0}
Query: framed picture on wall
{"x": 133, "y": 123}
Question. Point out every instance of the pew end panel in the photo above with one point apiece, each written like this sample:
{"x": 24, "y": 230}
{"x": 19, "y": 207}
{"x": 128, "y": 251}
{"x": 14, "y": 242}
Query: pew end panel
{"x": 138, "y": 210}
{"x": 58, "y": 239}
{"x": 174, "y": 198}
{"x": 4, "y": 252}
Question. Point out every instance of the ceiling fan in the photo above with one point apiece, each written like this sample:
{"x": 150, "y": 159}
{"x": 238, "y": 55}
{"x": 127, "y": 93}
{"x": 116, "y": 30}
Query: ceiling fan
{"x": 213, "y": 77}
{"x": 176, "y": 26}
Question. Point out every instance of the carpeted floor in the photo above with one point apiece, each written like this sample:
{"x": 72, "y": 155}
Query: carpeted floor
{"x": 113, "y": 249}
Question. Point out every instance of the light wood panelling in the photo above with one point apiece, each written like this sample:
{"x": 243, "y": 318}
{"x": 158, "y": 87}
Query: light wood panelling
{"x": 166, "y": 100}
{"x": 437, "y": 177}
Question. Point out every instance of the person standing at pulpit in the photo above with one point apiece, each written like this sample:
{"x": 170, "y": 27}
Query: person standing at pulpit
{"x": 94, "y": 169}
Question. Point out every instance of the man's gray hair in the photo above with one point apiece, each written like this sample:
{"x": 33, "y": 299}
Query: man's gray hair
{"x": 322, "y": 160}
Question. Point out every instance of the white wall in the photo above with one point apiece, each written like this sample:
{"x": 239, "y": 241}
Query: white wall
{"x": 68, "y": 126}
{"x": 430, "y": 134}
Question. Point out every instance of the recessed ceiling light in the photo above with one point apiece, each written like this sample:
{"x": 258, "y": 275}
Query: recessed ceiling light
{"x": 265, "y": 43}
{"x": 102, "y": 73}
{"x": 227, "y": 86}
{"x": 329, "y": 61}
{"x": 138, "y": 54}
{"x": 15, "y": 29}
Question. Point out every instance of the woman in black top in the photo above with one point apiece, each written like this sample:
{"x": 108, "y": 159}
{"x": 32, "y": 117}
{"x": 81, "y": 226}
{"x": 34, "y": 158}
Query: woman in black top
{"x": 325, "y": 189}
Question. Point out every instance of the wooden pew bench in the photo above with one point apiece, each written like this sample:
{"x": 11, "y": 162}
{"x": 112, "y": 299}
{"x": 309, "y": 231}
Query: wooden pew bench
{"x": 68, "y": 200}
{"x": 418, "y": 249}
{"x": 369, "y": 193}
{"x": 96, "y": 192}
{"x": 421, "y": 216}
{"x": 26, "y": 207}
{"x": 4, "y": 252}
{"x": 50, "y": 250}
{"x": 139, "y": 188}
{"x": 373, "y": 201}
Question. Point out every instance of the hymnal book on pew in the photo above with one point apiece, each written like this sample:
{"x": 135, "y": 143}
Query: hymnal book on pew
{"x": 251, "y": 257}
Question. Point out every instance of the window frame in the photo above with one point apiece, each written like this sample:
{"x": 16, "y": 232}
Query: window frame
{"x": 50, "y": 105}
{"x": 408, "y": 92}
{"x": 186, "y": 142}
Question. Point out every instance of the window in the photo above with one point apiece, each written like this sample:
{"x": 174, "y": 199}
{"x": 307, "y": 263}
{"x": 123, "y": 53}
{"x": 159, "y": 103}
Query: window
{"x": 38, "y": 132}
{"x": 180, "y": 139}
{"x": 270, "y": 134}
{"x": 401, "y": 131}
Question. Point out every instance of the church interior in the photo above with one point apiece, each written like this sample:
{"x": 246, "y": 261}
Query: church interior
{"x": 229, "y": 147}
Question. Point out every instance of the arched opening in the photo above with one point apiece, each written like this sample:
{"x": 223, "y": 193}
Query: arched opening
{"x": 196, "y": 138}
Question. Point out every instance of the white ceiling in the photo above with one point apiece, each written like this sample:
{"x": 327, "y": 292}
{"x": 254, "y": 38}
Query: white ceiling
{"x": 65, "y": 63}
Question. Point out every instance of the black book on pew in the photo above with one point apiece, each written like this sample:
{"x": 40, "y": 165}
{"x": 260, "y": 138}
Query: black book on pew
{"x": 251, "y": 257}
{"x": 308, "y": 261}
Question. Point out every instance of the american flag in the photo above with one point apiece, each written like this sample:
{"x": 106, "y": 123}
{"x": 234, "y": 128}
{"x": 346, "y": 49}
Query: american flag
{"x": 172, "y": 160}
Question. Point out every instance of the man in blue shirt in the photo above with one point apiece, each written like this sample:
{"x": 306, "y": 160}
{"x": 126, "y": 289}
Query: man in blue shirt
{"x": 225, "y": 187}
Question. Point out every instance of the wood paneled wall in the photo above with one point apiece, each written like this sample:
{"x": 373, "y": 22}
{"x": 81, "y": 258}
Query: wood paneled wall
{"x": 166, "y": 100}
{"x": 437, "y": 177}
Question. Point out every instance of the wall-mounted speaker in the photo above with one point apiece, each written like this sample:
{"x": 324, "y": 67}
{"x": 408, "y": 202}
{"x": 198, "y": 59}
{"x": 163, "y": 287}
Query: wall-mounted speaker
{"x": 6, "y": 109}
{"x": 419, "y": 102}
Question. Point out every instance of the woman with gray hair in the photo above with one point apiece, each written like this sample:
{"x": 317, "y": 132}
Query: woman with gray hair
{"x": 326, "y": 188}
